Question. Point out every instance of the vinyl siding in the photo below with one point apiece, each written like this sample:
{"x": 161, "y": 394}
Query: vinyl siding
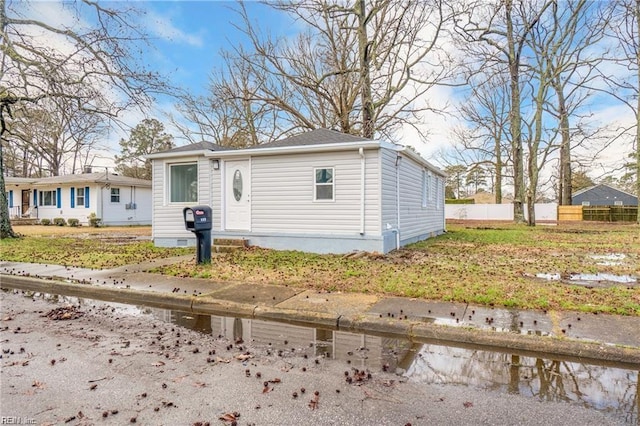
{"x": 415, "y": 220}
{"x": 168, "y": 220}
{"x": 388, "y": 165}
{"x": 282, "y": 194}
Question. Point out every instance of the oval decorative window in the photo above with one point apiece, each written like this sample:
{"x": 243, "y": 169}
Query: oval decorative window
{"x": 237, "y": 185}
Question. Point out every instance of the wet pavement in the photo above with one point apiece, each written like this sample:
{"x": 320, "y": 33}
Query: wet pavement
{"x": 77, "y": 361}
{"x": 580, "y": 336}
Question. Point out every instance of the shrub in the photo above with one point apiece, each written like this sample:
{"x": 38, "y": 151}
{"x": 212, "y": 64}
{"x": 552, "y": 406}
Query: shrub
{"x": 59, "y": 221}
{"x": 45, "y": 222}
{"x": 73, "y": 222}
{"x": 94, "y": 220}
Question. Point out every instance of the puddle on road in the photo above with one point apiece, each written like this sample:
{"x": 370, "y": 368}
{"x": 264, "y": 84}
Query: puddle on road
{"x": 608, "y": 388}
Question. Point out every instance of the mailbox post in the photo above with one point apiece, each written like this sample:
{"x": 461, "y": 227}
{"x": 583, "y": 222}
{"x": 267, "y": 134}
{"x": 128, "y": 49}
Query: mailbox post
{"x": 199, "y": 220}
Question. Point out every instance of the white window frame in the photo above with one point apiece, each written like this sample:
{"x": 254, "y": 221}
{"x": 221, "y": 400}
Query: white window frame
{"x": 52, "y": 195}
{"x": 169, "y": 185}
{"x": 586, "y": 203}
{"x": 618, "y": 203}
{"x": 331, "y": 184}
{"x": 80, "y": 199}
{"x": 111, "y": 195}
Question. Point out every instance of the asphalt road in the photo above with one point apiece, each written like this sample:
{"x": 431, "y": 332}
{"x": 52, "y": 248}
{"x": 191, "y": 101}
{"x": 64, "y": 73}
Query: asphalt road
{"x": 103, "y": 366}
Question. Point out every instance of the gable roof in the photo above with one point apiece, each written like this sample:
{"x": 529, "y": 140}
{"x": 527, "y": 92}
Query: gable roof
{"x": 313, "y": 137}
{"x": 582, "y": 191}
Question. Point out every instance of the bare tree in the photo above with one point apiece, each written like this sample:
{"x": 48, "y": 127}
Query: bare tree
{"x": 484, "y": 140}
{"x": 495, "y": 36}
{"x": 566, "y": 41}
{"x": 55, "y": 135}
{"x": 625, "y": 87}
{"x": 359, "y": 67}
{"x": 90, "y": 60}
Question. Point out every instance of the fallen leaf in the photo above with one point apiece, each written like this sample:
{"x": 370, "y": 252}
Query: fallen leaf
{"x": 38, "y": 385}
{"x": 157, "y": 364}
{"x": 230, "y": 417}
{"x": 226, "y": 361}
{"x": 467, "y": 404}
{"x": 243, "y": 357}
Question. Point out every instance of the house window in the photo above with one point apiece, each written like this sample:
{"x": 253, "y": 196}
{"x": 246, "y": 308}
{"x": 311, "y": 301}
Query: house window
{"x": 618, "y": 203}
{"x": 80, "y": 197}
{"x": 438, "y": 193}
{"x": 115, "y": 195}
{"x": 323, "y": 184}
{"x": 586, "y": 203}
{"x": 183, "y": 183}
{"x": 48, "y": 198}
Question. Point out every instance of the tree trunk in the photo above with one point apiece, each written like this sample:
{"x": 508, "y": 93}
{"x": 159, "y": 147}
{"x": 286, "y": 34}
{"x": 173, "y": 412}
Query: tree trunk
{"x": 637, "y": 13}
{"x": 565, "y": 189}
{"x": 515, "y": 120}
{"x": 365, "y": 76}
{"x": 498, "y": 180}
{"x": 6, "y": 231}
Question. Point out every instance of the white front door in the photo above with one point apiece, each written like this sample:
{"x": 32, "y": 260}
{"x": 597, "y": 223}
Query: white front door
{"x": 238, "y": 195}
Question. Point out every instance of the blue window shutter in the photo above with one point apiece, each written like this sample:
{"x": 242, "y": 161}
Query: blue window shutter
{"x": 73, "y": 197}
{"x": 58, "y": 198}
{"x": 86, "y": 196}
{"x": 10, "y": 198}
{"x": 35, "y": 197}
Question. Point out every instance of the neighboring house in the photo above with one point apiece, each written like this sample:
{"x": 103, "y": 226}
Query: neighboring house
{"x": 117, "y": 200}
{"x": 320, "y": 191}
{"x": 603, "y": 195}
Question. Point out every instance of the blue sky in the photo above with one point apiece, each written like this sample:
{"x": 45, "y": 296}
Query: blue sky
{"x": 189, "y": 35}
{"x": 186, "y": 40}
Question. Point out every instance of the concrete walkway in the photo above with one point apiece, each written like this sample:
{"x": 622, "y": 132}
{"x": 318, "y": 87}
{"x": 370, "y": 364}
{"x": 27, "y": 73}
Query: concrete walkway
{"x": 569, "y": 335}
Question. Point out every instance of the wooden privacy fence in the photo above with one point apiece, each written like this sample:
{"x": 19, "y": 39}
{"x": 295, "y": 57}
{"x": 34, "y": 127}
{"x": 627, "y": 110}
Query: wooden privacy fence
{"x": 569, "y": 213}
{"x": 598, "y": 213}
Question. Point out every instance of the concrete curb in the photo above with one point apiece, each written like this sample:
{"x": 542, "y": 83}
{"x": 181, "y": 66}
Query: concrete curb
{"x": 419, "y": 332}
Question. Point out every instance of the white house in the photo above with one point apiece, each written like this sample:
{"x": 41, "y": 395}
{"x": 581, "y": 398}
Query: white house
{"x": 117, "y": 200}
{"x": 320, "y": 191}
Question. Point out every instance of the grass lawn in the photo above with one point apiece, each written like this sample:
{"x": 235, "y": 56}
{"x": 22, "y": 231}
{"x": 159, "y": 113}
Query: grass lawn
{"x": 493, "y": 264}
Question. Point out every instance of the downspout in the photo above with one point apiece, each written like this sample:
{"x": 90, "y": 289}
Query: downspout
{"x": 398, "y": 160}
{"x": 362, "y": 186}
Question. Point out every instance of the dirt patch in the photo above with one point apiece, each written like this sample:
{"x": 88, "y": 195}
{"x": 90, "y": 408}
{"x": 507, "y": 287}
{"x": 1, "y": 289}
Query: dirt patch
{"x": 85, "y": 231}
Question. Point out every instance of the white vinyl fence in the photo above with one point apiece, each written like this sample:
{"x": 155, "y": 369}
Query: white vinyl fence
{"x": 544, "y": 212}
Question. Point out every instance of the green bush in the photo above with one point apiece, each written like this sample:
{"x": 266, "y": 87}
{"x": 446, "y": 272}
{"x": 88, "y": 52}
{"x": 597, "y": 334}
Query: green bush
{"x": 74, "y": 222}
{"x": 59, "y": 221}
{"x": 45, "y": 222}
{"x": 94, "y": 220}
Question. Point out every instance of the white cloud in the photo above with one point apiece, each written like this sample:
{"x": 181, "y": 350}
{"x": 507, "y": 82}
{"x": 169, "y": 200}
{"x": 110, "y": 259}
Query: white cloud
{"x": 162, "y": 26}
